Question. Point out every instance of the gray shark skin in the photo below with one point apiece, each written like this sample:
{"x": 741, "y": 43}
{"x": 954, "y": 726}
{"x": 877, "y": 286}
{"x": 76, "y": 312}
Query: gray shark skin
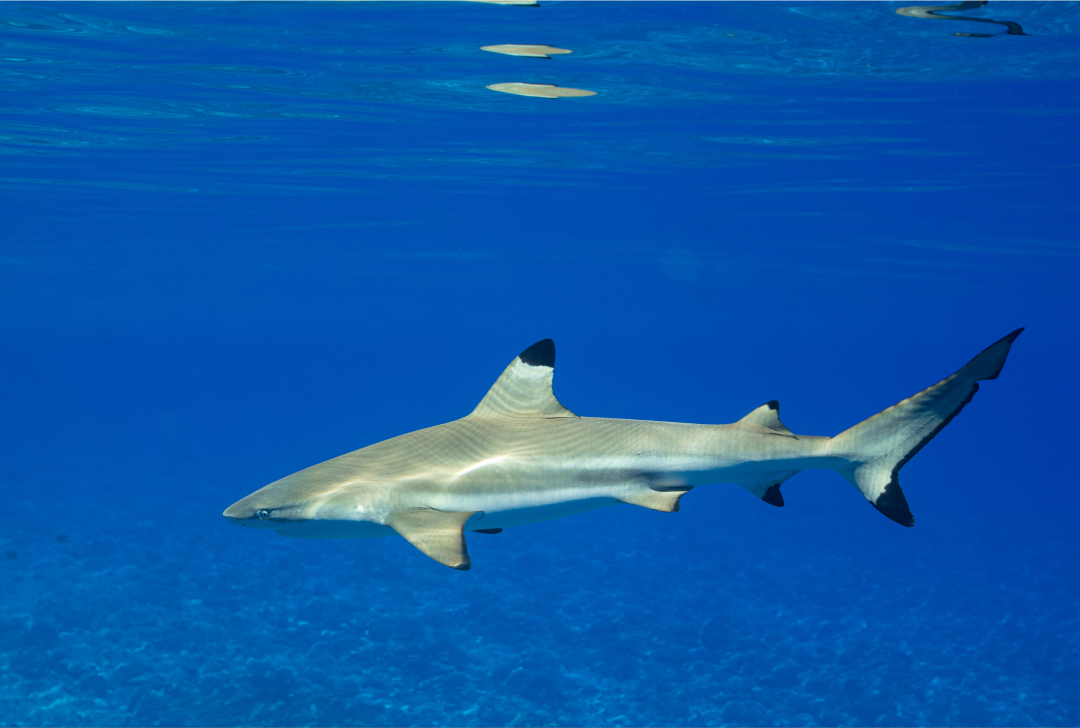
{"x": 521, "y": 457}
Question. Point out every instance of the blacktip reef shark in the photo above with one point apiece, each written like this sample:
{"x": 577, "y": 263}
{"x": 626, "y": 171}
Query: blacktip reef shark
{"x": 521, "y": 457}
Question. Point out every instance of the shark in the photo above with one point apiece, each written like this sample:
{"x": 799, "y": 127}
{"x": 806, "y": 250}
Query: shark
{"x": 521, "y": 457}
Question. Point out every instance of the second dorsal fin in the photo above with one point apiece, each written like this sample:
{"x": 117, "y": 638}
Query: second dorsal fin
{"x": 767, "y": 418}
{"x": 524, "y": 388}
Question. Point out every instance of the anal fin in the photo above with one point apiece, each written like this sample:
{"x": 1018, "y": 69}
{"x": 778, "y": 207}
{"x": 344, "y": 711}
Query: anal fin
{"x": 766, "y": 486}
{"x": 439, "y": 534}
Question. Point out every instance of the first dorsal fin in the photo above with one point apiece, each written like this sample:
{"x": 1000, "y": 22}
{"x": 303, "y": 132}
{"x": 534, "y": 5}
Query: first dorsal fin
{"x": 766, "y": 419}
{"x": 524, "y": 389}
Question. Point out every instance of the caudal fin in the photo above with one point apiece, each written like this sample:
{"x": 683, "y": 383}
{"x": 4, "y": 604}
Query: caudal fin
{"x": 877, "y": 448}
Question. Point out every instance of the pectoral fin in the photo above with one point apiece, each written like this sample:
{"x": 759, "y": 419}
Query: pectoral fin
{"x": 439, "y": 534}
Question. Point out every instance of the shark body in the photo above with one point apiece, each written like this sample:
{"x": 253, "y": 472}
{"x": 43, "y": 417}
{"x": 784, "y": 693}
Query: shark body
{"x": 521, "y": 457}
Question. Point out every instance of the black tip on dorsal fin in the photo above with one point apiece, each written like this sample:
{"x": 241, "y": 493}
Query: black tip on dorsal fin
{"x": 772, "y": 495}
{"x": 767, "y": 416}
{"x": 487, "y": 530}
{"x": 540, "y": 354}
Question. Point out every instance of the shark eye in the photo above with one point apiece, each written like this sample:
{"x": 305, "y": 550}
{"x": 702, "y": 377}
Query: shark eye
{"x": 262, "y": 514}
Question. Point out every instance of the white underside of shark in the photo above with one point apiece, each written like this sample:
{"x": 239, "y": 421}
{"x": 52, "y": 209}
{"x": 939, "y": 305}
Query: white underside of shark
{"x": 521, "y": 457}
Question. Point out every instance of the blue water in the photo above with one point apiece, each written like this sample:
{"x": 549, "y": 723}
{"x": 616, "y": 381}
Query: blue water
{"x": 238, "y": 239}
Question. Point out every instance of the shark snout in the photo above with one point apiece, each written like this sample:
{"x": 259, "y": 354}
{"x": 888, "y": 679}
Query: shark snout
{"x": 241, "y": 512}
{"x": 259, "y": 510}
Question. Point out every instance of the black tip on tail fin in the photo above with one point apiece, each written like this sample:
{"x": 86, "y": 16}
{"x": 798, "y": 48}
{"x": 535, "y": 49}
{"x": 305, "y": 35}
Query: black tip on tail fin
{"x": 773, "y": 496}
{"x": 892, "y": 504}
{"x": 1005, "y": 341}
{"x": 540, "y": 354}
{"x": 876, "y": 449}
